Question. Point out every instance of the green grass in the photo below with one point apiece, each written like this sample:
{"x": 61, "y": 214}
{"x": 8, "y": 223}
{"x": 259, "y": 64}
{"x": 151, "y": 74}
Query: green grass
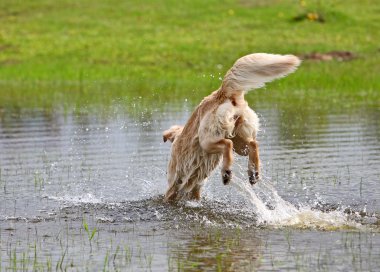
{"x": 90, "y": 51}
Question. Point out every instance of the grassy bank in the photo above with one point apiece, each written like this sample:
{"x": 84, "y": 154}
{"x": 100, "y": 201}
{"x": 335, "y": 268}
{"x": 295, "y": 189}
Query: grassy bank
{"x": 78, "y": 51}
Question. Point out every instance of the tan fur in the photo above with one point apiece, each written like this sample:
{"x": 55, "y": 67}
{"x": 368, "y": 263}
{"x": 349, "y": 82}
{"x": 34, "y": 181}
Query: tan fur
{"x": 222, "y": 122}
{"x": 171, "y": 133}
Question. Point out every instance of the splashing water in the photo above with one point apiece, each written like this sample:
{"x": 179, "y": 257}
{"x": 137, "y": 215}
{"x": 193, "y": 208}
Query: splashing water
{"x": 272, "y": 210}
{"x": 262, "y": 206}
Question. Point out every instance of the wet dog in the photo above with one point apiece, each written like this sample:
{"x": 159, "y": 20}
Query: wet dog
{"x": 222, "y": 123}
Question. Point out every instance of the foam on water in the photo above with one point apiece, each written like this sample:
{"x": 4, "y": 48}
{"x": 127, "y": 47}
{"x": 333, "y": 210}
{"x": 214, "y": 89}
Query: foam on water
{"x": 87, "y": 198}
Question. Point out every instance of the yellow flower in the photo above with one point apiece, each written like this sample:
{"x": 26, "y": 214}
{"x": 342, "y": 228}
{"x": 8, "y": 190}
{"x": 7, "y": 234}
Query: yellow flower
{"x": 312, "y": 16}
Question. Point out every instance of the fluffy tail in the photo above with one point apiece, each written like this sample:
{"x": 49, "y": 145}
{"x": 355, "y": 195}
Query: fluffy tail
{"x": 254, "y": 70}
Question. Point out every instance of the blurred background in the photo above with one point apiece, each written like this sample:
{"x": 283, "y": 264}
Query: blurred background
{"x": 79, "y": 52}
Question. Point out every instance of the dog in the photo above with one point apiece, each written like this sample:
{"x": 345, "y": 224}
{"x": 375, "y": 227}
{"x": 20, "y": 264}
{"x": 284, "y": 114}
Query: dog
{"x": 222, "y": 123}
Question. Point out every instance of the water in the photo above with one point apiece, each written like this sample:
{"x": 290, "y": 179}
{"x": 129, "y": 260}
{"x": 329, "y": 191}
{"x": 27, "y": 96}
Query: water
{"x": 316, "y": 207}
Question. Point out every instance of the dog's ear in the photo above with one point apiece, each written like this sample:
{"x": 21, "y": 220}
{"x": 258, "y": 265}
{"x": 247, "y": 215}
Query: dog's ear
{"x": 172, "y": 133}
{"x": 167, "y": 135}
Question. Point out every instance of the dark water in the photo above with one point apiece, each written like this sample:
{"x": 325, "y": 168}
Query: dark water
{"x": 317, "y": 207}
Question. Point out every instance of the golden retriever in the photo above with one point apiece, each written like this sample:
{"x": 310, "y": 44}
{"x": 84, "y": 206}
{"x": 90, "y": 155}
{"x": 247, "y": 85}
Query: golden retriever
{"x": 221, "y": 123}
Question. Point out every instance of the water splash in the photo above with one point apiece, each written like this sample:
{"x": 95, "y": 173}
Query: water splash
{"x": 87, "y": 198}
{"x": 245, "y": 205}
{"x": 272, "y": 210}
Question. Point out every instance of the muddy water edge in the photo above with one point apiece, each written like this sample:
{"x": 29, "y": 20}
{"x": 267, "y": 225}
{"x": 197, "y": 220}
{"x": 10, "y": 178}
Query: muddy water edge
{"x": 83, "y": 190}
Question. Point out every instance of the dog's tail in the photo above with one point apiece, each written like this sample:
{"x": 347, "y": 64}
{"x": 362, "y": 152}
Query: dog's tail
{"x": 254, "y": 70}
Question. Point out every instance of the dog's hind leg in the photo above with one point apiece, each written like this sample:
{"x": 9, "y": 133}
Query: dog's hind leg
{"x": 253, "y": 162}
{"x": 223, "y": 146}
{"x": 249, "y": 147}
{"x": 245, "y": 143}
{"x": 227, "y": 161}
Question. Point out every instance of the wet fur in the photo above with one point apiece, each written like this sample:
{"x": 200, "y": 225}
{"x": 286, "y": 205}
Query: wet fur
{"x": 221, "y": 123}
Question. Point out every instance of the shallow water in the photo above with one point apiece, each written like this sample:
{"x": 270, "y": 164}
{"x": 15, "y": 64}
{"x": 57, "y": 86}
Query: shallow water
{"x": 316, "y": 208}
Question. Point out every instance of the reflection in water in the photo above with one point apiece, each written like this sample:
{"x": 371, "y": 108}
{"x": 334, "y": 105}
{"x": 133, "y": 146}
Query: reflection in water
{"x": 216, "y": 250}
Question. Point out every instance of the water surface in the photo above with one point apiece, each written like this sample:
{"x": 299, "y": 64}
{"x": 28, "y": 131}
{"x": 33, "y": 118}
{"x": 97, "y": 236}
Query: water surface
{"x": 62, "y": 170}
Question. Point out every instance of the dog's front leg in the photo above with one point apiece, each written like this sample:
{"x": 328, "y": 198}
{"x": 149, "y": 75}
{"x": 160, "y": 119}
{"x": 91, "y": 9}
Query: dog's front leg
{"x": 196, "y": 193}
{"x": 172, "y": 193}
{"x": 253, "y": 162}
{"x": 223, "y": 146}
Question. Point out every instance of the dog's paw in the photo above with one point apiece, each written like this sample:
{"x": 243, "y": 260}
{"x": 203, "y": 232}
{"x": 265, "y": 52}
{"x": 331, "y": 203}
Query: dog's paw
{"x": 226, "y": 176}
{"x": 253, "y": 177}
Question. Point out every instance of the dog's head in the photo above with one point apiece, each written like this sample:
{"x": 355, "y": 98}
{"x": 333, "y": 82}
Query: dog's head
{"x": 172, "y": 133}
